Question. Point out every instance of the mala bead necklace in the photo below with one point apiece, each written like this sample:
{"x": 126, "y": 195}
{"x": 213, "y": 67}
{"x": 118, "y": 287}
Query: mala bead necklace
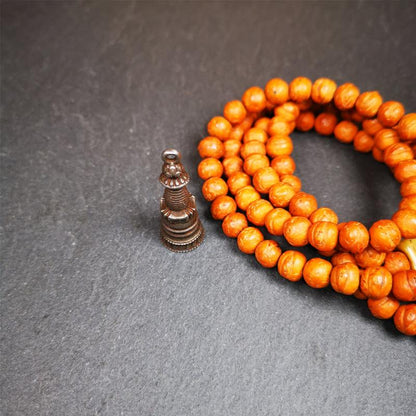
{"x": 249, "y": 179}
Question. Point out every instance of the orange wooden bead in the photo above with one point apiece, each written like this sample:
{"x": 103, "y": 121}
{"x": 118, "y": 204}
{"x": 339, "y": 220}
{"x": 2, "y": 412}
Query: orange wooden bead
{"x": 345, "y": 96}
{"x": 279, "y": 146}
{"x": 280, "y": 127}
{"x": 405, "y": 319}
{"x": 384, "y": 235}
{"x": 377, "y": 154}
{"x": 254, "y": 99}
{"x": 408, "y": 187}
{"x": 305, "y": 121}
{"x": 370, "y": 258}
{"x": 383, "y": 308}
{"x": 346, "y": 115}
{"x": 405, "y": 219}
{"x": 275, "y": 221}
{"x": 211, "y": 147}
{"x": 262, "y": 123}
{"x": 232, "y": 147}
{"x": 303, "y": 204}
{"x": 372, "y": 126}
{"x": 345, "y": 131}
{"x": 316, "y": 273}
{"x": 288, "y": 111}
{"x": 363, "y": 142}
{"x": 325, "y": 123}
{"x": 323, "y": 235}
{"x": 280, "y": 194}
{"x": 397, "y": 153}
{"x": 236, "y": 133}
{"x": 327, "y": 108}
{"x": 413, "y": 146}
{"x": 232, "y": 164}
{"x": 233, "y": 224}
{"x": 252, "y": 148}
{"x": 245, "y": 196}
{"x": 248, "y": 239}
{"x": 255, "y": 134}
{"x": 390, "y": 113}
{"x": 237, "y": 181}
{"x": 293, "y": 181}
{"x": 277, "y": 91}
{"x": 358, "y": 294}
{"x": 385, "y": 138}
{"x": 323, "y": 90}
{"x": 290, "y": 265}
{"x": 247, "y": 122}
{"x": 341, "y": 225}
{"x": 376, "y": 282}
{"x": 405, "y": 170}
{"x": 356, "y": 117}
{"x": 306, "y": 105}
{"x": 259, "y": 114}
{"x": 396, "y": 261}
{"x": 269, "y": 106}
{"x": 324, "y": 214}
{"x": 328, "y": 253}
{"x": 341, "y": 258}
{"x": 407, "y": 127}
{"x": 235, "y": 112}
{"x": 219, "y": 127}
{"x": 283, "y": 165}
{"x": 209, "y": 168}
{"x": 368, "y": 103}
{"x": 267, "y": 253}
{"x": 295, "y": 230}
{"x": 214, "y": 187}
{"x": 264, "y": 179}
{"x": 345, "y": 278}
{"x": 255, "y": 162}
{"x": 409, "y": 202}
{"x": 300, "y": 89}
{"x": 257, "y": 211}
{"x": 354, "y": 237}
{"x": 256, "y": 115}
{"x": 222, "y": 206}
{"x": 404, "y": 285}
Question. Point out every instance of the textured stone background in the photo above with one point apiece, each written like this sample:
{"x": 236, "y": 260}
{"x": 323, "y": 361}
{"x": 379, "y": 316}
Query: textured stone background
{"x": 97, "y": 317}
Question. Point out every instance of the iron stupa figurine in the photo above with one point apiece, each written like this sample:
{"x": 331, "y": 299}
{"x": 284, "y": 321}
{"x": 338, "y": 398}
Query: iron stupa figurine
{"x": 181, "y": 229}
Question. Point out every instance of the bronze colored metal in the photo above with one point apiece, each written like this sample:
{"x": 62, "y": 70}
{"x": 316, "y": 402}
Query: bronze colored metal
{"x": 181, "y": 229}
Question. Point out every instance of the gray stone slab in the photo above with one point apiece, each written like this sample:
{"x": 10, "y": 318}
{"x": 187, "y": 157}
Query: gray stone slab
{"x": 97, "y": 316}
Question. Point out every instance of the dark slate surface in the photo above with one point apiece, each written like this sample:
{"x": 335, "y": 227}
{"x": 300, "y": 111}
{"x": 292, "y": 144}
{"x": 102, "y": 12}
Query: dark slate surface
{"x": 97, "y": 317}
